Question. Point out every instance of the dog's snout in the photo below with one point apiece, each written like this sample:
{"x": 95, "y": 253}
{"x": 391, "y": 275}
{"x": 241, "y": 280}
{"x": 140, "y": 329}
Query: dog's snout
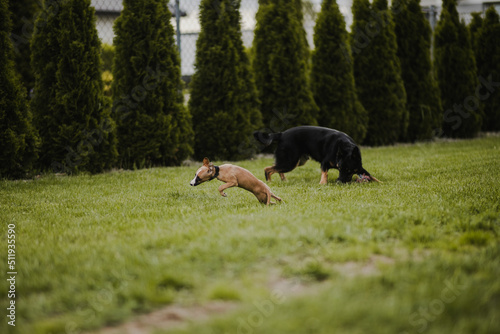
{"x": 345, "y": 176}
{"x": 195, "y": 181}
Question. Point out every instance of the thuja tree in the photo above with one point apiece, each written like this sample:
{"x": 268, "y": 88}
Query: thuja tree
{"x": 18, "y": 138}
{"x": 332, "y": 78}
{"x": 299, "y": 6}
{"x": 23, "y": 15}
{"x": 474, "y": 26}
{"x": 280, "y": 66}
{"x": 377, "y": 72}
{"x": 487, "y": 51}
{"x": 413, "y": 34}
{"x": 456, "y": 74}
{"x": 153, "y": 126}
{"x": 223, "y": 99}
{"x": 68, "y": 104}
{"x": 249, "y": 95}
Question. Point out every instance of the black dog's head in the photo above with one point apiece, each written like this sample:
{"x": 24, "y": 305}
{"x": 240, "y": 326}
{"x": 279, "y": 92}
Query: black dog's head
{"x": 349, "y": 163}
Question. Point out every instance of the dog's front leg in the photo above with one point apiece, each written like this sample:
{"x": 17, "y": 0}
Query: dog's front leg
{"x": 324, "y": 177}
{"x": 225, "y": 186}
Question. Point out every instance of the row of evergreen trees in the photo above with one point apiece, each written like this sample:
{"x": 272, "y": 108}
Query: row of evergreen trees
{"x": 375, "y": 83}
{"x": 69, "y": 125}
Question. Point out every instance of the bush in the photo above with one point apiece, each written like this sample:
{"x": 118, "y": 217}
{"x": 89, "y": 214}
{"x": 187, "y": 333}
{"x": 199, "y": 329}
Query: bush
{"x": 413, "y": 35}
{"x": 474, "y": 26}
{"x": 223, "y": 99}
{"x": 107, "y": 56}
{"x": 456, "y": 74}
{"x": 69, "y": 108}
{"x": 487, "y": 51}
{"x": 332, "y": 77}
{"x": 18, "y": 138}
{"x": 280, "y": 66}
{"x": 153, "y": 125}
{"x": 377, "y": 72}
{"x": 23, "y": 15}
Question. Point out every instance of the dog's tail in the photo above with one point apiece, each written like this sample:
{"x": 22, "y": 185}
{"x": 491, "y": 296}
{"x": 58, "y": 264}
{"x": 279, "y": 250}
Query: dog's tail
{"x": 266, "y": 138}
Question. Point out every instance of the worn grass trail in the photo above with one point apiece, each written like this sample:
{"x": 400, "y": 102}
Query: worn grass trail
{"x": 416, "y": 253}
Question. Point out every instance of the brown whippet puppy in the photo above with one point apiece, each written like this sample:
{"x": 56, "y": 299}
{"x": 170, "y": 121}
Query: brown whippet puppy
{"x": 234, "y": 176}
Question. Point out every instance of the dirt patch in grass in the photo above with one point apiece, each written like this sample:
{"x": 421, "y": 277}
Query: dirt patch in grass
{"x": 174, "y": 316}
{"x": 170, "y": 317}
{"x": 367, "y": 268}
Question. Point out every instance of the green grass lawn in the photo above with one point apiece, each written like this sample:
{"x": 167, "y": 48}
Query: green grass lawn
{"x": 418, "y": 253}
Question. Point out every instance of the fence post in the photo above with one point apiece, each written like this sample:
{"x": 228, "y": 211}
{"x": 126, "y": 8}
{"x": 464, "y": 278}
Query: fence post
{"x": 432, "y": 16}
{"x": 178, "y": 28}
{"x": 432, "y": 21}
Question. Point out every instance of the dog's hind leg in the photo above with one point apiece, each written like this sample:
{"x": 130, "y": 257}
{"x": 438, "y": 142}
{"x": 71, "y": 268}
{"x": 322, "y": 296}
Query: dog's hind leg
{"x": 303, "y": 159}
{"x": 286, "y": 159}
{"x": 268, "y": 171}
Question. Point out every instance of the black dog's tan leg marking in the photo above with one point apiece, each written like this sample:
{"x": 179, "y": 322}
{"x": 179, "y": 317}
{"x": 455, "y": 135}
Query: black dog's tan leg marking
{"x": 268, "y": 171}
{"x": 324, "y": 177}
{"x": 225, "y": 186}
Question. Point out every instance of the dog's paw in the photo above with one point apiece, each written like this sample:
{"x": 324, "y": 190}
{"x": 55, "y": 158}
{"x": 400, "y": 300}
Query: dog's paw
{"x": 223, "y": 194}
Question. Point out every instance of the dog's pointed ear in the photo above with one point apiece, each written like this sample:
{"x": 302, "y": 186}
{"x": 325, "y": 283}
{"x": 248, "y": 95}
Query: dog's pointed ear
{"x": 206, "y": 162}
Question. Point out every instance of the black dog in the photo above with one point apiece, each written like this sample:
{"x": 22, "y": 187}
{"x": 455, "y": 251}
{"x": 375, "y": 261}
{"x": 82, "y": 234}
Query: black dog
{"x": 331, "y": 148}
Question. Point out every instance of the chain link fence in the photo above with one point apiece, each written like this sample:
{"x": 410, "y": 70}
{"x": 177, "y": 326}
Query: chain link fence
{"x": 107, "y": 11}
